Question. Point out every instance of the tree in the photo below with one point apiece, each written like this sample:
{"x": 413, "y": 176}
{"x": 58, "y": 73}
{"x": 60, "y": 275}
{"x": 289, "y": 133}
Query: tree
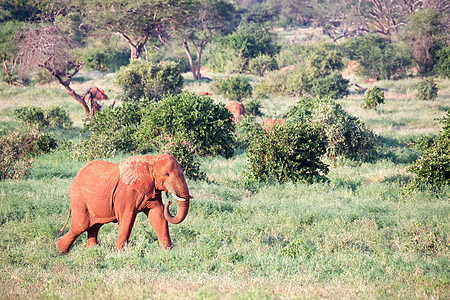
{"x": 49, "y": 48}
{"x": 211, "y": 17}
{"x": 8, "y": 50}
{"x": 426, "y": 32}
{"x": 138, "y": 21}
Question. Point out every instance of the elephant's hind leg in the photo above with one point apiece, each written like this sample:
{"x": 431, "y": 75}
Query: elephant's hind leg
{"x": 63, "y": 244}
{"x": 92, "y": 235}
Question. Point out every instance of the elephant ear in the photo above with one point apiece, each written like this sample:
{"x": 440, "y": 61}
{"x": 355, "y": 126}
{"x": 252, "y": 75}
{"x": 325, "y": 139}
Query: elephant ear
{"x": 136, "y": 172}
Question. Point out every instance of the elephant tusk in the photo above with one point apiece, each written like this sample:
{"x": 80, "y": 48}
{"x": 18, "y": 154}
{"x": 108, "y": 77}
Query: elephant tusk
{"x": 178, "y": 198}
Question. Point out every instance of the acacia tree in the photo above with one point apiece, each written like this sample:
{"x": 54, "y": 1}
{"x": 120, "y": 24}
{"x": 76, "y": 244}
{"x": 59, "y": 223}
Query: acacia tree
{"x": 211, "y": 17}
{"x": 48, "y": 48}
{"x": 137, "y": 21}
{"x": 8, "y": 51}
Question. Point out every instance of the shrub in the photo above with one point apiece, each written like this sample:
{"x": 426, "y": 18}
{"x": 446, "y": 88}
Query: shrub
{"x": 332, "y": 86}
{"x": 442, "y": 67}
{"x": 373, "y": 97}
{"x": 224, "y": 60}
{"x": 41, "y": 119}
{"x": 233, "y": 88}
{"x": 345, "y": 135}
{"x": 246, "y": 130}
{"x": 253, "y": 107}
{"x": 377, "y": 56}
{"x": 433, "y": 168}
{"x": 291, "y": 152}
{"x": 111, "y": 130}
{"x": 109, "y": 58}
{"x": 191, "y": 118}
{"x": 262, "y": 63}
{"x": 149, "y": 81}
{"x": 427, "y": 89}
{"x": 16, "y": 149}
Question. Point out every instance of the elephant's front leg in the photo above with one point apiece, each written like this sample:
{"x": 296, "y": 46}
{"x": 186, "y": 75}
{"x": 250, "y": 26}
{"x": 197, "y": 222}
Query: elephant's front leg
{"x": 125, "y": 227}
{"x": 156, "y": 217}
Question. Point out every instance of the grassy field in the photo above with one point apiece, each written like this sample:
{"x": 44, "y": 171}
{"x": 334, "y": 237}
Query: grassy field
{"x": 362, "y": 235}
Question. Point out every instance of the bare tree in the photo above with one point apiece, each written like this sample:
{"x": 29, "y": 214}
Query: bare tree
{"x": 46, "y": 47}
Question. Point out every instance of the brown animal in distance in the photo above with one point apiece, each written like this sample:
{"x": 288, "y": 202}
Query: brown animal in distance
{"x": 268, "y": 124}
{"x": 236, "y": 109}
{"x": 92, "y": 96}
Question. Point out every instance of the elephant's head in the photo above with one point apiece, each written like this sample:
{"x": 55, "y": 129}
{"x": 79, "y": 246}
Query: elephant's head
{"x": 148, "y": 174}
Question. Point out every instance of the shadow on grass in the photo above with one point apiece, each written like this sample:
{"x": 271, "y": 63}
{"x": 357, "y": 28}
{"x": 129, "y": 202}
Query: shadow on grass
{"x": 398, "y": 151}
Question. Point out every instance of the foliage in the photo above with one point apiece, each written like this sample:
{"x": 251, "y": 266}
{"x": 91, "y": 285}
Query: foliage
{"x": 332, "y": 86}
{"x": 378, "y": 57}
{"x": 442, "y": 67}
{"x": 246, "y": 130}
{"x": 41, "y": 119}
{"x": 105, "y": 58}
{"x": 373, "y": 97}
{"x": 224, "y": 60}
{"x": 262, "y": 63}
{"x": 8, "y": 50}
{"x": 427, "y": 89}
{"x": 345, "y": 134}
{"x": 252, "y": 40}
{"x": 253, "y": 107}
{"x": 234, "y": 88}
{"x": 16, "y": 148}
{"x": 111, "y": 131}
{"x": 191, "y": 118}
{"x": 426, "y": 34}
{"x": 291, "y": 152}
{"x": 433, "y": 168}
{"x": 142, "y": 80}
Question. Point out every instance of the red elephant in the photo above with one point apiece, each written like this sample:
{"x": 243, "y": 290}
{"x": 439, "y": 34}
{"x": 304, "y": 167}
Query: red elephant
{"x": 268, "y": 124}
{"x": 236, "y": 109}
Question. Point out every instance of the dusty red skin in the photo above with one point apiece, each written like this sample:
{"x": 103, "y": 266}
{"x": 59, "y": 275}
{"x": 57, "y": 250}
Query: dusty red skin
{"x": 104, "y": 192}
{"x": 267, "y": 124}
{"x": 236, "y": 109}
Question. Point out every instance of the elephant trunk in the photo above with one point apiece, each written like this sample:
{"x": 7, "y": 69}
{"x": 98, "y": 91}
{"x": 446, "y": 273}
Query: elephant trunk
{"x": 182, "y": 210}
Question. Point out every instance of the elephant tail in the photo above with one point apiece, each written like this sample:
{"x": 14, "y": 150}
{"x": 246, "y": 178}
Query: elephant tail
{"x": 61, "y": 232}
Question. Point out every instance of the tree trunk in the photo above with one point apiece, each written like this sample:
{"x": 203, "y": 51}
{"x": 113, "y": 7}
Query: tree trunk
{"x": 191, "y": 62}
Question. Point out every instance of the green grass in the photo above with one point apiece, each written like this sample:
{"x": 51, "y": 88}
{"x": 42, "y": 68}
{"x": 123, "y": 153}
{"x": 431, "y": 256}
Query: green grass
{"x": 362, "y": 235}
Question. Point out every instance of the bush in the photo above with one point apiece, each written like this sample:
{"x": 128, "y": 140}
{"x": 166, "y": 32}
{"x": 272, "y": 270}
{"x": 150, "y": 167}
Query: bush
{"x": 262, "y": 63}
{"x": 291, "y": 152}
{"x": 377, "y": 56}
{"x": 111, "y": 130}
{"x": 246, "y": 130}
{"x": 148, "y": 81}
{"x": 442, "y": 67}
{"x": 16, "y": 150}
{"x": 253, "y": 107}
{"x": 427, "y": 89}
{"x": 332, "y": 86}
{"x": 433, "y": 168}
{"x": 41, "y": 119}
{"x": 345, "y": 135}
{"x": 224, "y": 60}
{"x": 103, "y": 58}
{"x": 373, "y": 97}
{"x": 191, "y": 118}
{"x": 233, "y": 88}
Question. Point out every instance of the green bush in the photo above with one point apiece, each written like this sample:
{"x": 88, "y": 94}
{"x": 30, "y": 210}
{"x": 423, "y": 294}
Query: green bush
{"x": 332, "y": 86}
{"x": 262, "y": 63}
{"x": 427, "y": 90}
{"x": 373, "y": 97}
{"x": 16, "y": 149}
{"x": 378, "y": 57}
{"x": 345, "y": 135}
{"x": 224, "y": 60}
{"x": 442, "y": 67}
{"x": 103, "y": 58}
{"x": 433, "y": 168}
{"x": 111, "y": 130}
{"x": 191, "y": 118}
{"x": 246, "y": 130}
{"x": 253, "y": 107}
{"x": 142, "y": 80}
{"x": 233, "y": 88}
{"x": 41, "y": 119}
{"x": 291, "y": 152}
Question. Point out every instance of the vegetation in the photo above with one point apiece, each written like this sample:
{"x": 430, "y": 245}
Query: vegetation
{"x": 427, "y": 89}
{"x": 234, "y": 88}
{"x": 373, "y": 97}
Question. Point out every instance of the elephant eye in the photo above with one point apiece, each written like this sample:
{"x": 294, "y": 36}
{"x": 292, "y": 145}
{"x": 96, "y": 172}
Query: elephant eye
{"x": 166, "y": 174}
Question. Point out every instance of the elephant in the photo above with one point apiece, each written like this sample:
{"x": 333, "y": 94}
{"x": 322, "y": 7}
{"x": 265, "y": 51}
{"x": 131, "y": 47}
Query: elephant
{"x": 104, "y": 192}
{"x": 268, "y": 124}
{"x": 236, "y": 109}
